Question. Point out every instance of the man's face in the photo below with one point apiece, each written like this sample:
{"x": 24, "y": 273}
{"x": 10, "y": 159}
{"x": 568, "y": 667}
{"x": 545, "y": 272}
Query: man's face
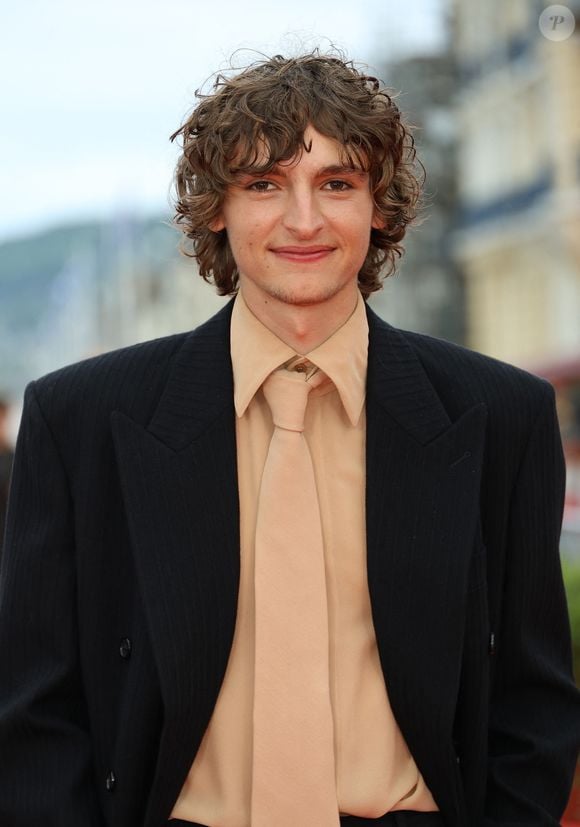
{"x": 300, "y": 234}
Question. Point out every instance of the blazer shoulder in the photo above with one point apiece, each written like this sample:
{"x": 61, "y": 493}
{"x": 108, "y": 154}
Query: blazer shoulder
{"x": 464, "y": 377}
{"x": 130, "y": 379}
{"x": 112, "y": 375}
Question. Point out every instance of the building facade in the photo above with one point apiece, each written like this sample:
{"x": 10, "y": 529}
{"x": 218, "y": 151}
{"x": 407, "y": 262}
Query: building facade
{"x": 517, "y": 238}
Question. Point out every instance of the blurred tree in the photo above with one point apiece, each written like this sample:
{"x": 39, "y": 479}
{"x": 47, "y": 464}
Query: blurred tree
{"x": 572, "y": 582}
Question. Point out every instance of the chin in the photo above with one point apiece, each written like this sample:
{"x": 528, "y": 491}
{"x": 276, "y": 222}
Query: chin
{"x": 304, "y": 297}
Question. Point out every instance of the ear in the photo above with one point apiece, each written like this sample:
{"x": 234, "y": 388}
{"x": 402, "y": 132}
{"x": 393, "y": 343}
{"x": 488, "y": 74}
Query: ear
{"x": 217, "y": 224}
{"x": 378, "y": 222}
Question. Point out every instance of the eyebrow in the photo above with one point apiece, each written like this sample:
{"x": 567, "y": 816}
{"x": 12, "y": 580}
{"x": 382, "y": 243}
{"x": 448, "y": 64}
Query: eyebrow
{"x": 341, "y": 169}
{"x": 332, "y": 169}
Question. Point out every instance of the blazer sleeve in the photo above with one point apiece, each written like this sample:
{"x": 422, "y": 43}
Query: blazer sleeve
{"x": 46, "y": 776}
{"x": 534, "y": 730}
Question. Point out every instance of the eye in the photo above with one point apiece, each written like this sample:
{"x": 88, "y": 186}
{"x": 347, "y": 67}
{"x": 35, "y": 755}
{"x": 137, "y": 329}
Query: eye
{"x": 260, "y": 186}
{"x": 338, "y": 185}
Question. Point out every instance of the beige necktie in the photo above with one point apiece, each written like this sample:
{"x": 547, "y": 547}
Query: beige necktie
{"x": 293, "y": 781}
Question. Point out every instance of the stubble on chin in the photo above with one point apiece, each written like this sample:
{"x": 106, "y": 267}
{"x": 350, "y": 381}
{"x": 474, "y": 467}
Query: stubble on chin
{"x": 305, "y": 297}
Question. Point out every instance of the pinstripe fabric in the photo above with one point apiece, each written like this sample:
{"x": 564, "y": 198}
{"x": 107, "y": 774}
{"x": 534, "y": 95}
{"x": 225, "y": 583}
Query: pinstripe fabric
{"x": 402, "y": 818}
{"x": 123, "y": 524}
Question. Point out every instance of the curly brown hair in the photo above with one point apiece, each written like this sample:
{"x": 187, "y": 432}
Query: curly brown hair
{"x": 270, "y": 104}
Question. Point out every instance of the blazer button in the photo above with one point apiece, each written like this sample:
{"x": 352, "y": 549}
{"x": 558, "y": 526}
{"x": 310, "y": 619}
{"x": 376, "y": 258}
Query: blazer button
{"x": 125, "y": 648}
{"x": 110, "y": 782}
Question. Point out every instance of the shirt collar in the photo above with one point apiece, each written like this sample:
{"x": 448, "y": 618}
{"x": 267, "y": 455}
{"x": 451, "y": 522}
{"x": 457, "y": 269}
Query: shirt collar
{"x": 343, "y": 358}
{"x": 256, "y": 352}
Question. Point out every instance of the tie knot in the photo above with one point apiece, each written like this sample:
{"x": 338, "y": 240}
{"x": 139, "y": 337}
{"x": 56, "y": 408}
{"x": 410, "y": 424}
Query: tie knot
{"x": 286, "y": 393}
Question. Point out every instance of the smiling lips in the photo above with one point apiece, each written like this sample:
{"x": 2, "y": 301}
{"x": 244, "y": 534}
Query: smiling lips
{"x": 302, "y": 254}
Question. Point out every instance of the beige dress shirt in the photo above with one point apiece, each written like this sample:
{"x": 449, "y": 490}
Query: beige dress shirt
{"x": 375, "y": 771}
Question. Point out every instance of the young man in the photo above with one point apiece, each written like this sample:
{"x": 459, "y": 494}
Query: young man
{"x": 295, "y": 568}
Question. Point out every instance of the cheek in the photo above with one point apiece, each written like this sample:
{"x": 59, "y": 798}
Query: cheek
{"x": 354, "y": 222}
{"x": 244, "y": 248}
{"x": 246, "y": 232}
{"x": 359, "y": 232}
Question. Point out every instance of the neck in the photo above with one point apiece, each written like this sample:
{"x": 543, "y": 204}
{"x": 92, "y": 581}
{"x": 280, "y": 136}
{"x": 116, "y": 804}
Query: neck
{"x": 302, "y": 327}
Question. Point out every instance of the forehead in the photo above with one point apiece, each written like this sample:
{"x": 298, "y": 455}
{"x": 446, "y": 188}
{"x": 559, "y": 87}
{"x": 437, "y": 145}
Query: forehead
{"x": 312, "y": 150}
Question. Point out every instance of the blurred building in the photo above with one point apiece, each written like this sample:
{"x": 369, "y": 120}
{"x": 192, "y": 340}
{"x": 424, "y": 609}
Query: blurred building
{"x": 73, "y": 292}
{"x": 518, "y": 225}
{"x": 517, "y": 237}
{"x": 426, "y": 293}
{"x": 170, "y": 294}
{"x": 147, "y": 289}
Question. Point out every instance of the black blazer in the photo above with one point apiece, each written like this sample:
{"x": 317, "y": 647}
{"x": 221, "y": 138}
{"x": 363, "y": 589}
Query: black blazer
{"x": 121, "y": 571}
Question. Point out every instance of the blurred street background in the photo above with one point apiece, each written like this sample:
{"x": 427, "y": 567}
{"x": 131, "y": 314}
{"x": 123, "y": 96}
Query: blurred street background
{"x": 89, "y": 261}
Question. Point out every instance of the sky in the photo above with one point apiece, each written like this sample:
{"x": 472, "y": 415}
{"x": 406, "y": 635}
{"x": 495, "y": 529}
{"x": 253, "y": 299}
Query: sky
{"x": 90, "y": 92}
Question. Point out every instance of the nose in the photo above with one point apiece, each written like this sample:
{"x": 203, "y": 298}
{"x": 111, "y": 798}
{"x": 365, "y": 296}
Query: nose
{"x": 302, "y": 215}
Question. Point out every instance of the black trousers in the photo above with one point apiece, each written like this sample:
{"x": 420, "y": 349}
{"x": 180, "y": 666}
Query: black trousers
{"x": 400, "y": 818}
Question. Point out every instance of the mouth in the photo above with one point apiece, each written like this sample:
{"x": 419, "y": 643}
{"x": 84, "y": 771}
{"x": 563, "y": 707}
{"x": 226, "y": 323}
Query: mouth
{"x": 303, "y": 254}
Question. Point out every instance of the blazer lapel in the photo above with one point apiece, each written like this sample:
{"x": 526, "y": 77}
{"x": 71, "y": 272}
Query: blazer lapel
{"x": 422, "y": 500}
{"x": 179, "y": 482}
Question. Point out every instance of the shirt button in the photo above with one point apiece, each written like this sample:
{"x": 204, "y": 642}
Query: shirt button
{"x": 110, "y": 782}
{"x": 125, "y": 648}
{"x": 300, "y": 368}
